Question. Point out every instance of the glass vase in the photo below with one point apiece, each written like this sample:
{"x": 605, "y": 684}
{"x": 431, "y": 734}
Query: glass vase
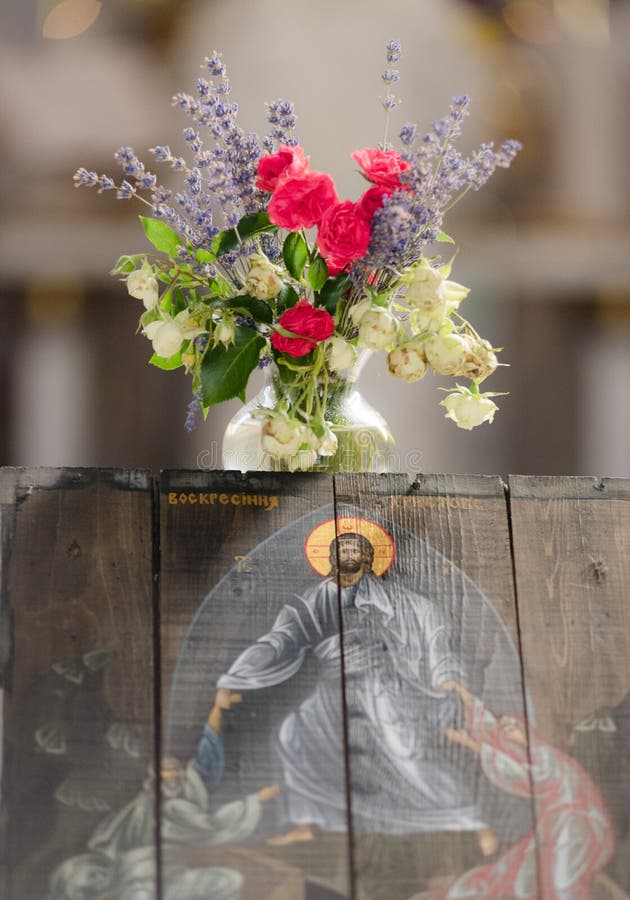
{"x": 364, "y": 440}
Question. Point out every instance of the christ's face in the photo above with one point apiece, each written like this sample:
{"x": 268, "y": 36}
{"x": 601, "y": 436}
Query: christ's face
{"x": 350, "y": 555}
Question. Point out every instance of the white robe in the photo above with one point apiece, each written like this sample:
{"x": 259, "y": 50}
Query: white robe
{"x": 395, "y": 655}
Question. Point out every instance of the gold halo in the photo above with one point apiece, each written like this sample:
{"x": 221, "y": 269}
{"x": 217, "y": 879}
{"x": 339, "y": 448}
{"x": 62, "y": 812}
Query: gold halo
{"x": 317, "y": 544}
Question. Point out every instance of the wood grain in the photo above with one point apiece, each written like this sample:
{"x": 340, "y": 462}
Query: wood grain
{"x": 78, "y": 669}
{"x": 238, "y": 541}
{"x": 453, "y": 549}
{"x": 572, "y": 563}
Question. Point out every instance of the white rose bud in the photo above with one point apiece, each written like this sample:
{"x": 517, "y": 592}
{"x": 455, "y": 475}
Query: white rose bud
{"x": 328, "y": 443}
{"x": 469, "y": 410}
{"x": 447, "y": 353}
{"x": 307, "y": 456}
{"x": 166, "y": 337}
{"x": 341, "y": 355}
{"x": 282, "y": 437}
{"x": 225, "y": 332}
{"x": 377, "y": 329}
{"x": 425, "y": 289}
{"x": 408, "y": 362}
{"x": 480, "y": 362}
{"x": 358, "y": 310}
{"x": 420, "y": 321}
{"x": 142, "y": 285}
{"x": 263, "y": 279}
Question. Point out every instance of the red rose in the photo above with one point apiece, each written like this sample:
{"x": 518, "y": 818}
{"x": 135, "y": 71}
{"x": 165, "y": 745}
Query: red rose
{"x": 381, "y": 166}
{"x": 300, "y": 201}
{"x": 343, "y": 235}
{"x": 373, "y": 199}
{"x": 313, "y": 326}
{"x": 287, "y": 161}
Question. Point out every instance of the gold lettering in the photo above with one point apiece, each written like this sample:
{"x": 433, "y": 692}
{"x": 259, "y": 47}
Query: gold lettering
{"x": 224, "y": 499}
{"x": 235, "y": 500}
{"x": 273, "y": 503}
{"x": 204, "y": 499}
{"x": 172, "y": 498}
{"x": 183, "y": 498}
{"x": 213, "y": 498}
{"x": 192, "y": 498}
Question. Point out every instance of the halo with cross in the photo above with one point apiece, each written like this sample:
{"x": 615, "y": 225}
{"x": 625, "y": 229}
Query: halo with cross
{"x": 317, "y": 544}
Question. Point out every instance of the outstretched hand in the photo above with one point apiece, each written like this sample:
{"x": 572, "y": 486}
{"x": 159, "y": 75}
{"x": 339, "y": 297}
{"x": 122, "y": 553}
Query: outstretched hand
{"x": 464, "y": 694}
{"x": 268, "y": 793}
{"x": 461, "y": 737}
{"x": 225, "y": 698}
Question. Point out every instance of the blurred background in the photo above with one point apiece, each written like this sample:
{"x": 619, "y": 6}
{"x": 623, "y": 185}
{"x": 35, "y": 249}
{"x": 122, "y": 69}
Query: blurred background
{"x": 545, "y": 246}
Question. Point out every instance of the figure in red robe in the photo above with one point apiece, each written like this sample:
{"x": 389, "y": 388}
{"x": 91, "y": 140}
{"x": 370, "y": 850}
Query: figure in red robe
{"x": 574, "y": 836}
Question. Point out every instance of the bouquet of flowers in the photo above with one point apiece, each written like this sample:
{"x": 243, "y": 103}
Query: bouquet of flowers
{"x": 293, "y": 276}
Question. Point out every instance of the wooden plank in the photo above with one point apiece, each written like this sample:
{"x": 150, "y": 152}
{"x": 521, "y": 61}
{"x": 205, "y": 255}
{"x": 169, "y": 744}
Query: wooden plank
{"x": 423, "y": 813}
{"x": 78, "y": 710}
{"x": 239, "y": 542}
{"x": 572, "y": 564}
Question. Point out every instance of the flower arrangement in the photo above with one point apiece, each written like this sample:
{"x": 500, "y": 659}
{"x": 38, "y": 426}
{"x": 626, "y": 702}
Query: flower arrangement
{"x": 294, "y": 276}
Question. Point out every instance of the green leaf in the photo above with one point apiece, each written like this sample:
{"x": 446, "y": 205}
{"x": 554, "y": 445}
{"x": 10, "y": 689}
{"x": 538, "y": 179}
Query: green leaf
{"x": 225, "y": 371}
{"x": 161, "y": 236}
{"x": 318, "y": 273}
{"x": 173, "y": 362}
{"x": 258, "y": 309}
{"x": 249, "y": 226}
{"x": 295, "y": 253}
{"x": 204, "y": 256}
{"x": 333, "y": 289}
{"x": 287, "y": 297}
{"x": 126, "y": 264}
{"x": 444, "y": 238}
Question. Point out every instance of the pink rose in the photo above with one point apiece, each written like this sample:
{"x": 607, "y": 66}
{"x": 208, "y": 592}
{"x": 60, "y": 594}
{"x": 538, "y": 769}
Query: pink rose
{"x": 287, "y": 161}
{"x": 373, "y": 199}
{"x": 300, "y": 201}
{"x": 343, "y": 235}
{"x": 381, "y": 166}
{"x": 312, "y": 325}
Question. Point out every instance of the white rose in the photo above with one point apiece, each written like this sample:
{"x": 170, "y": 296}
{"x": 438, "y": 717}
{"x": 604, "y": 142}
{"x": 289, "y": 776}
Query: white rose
{"x": 447, "y": 353}
{"x": 166, "y": 338}
{"x": 408, "y": 362}
{"x": 420, "y": 321}
{"x": 481, "y": 361}
{"x": 469, "y": 410}
{"x": 167, "y": 335}
{"x": 425, "y": 289}
{"x": 377, "y": 329}
{"x": 263, "y": 279}
{"x": 142, "y": 285}
{"x": 307, "y": 456}
{"x": 281, "y": 436}
{"x": 328, "y": 443}
{"x": 341, "y": 355}
{"x": 358, "y": 310}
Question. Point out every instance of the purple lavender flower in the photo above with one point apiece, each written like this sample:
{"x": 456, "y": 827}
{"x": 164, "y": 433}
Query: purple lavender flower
{"x": 125, "y": 191}
{"x": 214, "y": 65}
{"x": 161, "y": 153}
{"x": 194, "y": 410}
{"x": 394, "y": 52}
{"x": 105, "y": 183}
{"x": 408, "y": 134}
{"x": 83, "y": 178}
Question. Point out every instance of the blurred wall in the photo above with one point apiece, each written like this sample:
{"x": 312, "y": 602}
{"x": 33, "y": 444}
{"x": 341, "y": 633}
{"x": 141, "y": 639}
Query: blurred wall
{"x": 544, "y": 246}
